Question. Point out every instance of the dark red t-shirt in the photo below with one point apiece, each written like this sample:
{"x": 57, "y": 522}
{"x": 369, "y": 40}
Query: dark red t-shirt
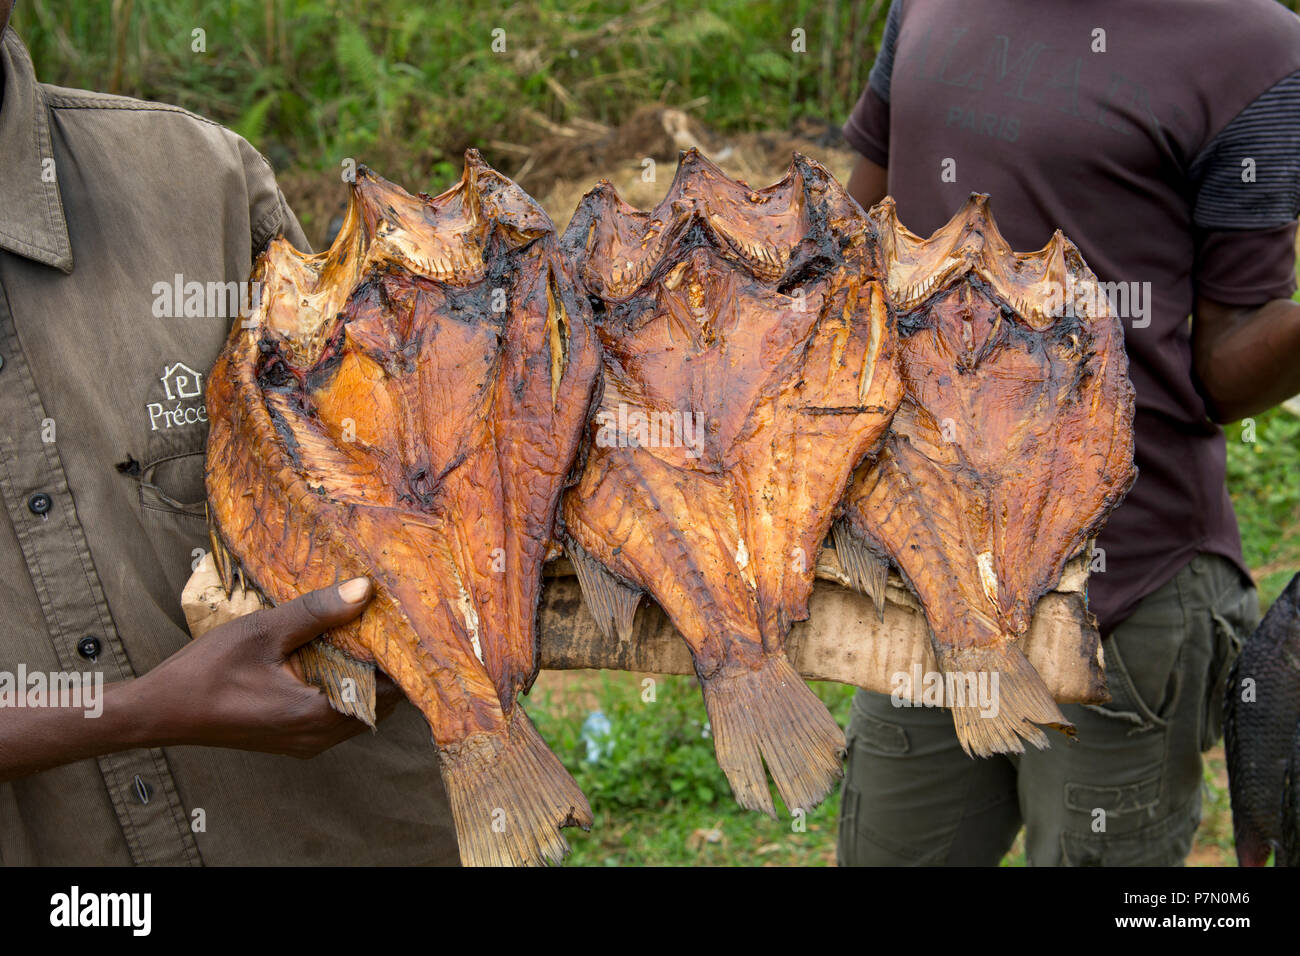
{"x": 1163, "y": 138}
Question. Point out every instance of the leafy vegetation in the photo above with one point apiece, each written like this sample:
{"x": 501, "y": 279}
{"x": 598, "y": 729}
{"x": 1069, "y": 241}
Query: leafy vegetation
{"x": 1264, "y": 478}
{"x": 410, "y": 86}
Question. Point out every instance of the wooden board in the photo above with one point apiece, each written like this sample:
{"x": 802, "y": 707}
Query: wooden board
{"x": 844, "y": 639}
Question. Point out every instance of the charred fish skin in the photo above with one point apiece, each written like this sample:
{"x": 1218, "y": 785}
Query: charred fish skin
{"x": 408, "y": 405}
{"x": 1261, "y": 732}
{"x": 755, "y": 321}
{"x": 1012, "y": 444}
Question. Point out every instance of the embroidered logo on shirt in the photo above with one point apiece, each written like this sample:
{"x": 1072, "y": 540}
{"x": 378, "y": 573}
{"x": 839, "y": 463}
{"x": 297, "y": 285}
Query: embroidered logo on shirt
{"x": 180, "y": 382}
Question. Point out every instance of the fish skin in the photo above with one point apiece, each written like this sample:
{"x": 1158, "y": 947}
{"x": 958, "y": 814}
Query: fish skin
{"x": 725, "y": 534}
{"x": 1288, "y": 853}
{"x": 1262, "y": 734}
{"x": 1012, "y": 444}
{"x": 381, "y": 418}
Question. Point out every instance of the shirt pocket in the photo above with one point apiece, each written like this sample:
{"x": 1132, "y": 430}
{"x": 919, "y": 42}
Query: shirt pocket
{"x": 173, "y": 514}
{"x": 174, "y": 484}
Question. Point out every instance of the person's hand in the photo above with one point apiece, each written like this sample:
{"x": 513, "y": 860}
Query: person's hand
{"x": 236, "y": 686}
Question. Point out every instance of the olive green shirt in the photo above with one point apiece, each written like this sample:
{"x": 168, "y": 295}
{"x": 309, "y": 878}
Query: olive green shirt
{"x": 107, "y": 206}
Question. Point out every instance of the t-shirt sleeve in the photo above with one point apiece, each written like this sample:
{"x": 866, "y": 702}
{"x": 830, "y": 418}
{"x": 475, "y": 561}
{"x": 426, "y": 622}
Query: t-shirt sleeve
{"x": 1247, "y": 200}
{"x": 867, "y": 128}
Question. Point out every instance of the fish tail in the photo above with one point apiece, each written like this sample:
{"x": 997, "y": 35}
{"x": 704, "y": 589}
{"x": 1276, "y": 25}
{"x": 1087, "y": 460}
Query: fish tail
{"x": 1010, "y": 699}
{"x": 510, "y": 796}
{"x": 1252, "y": 848}
{"x": 348, "y": 683}
{"x": 769, "y": 715}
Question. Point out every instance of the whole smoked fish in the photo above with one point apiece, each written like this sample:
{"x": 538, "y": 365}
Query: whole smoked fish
{"x": 748, "y": 368}
{"x": 408, "y": 406}
{"x": 1013, "y": 443}
{"x": 1261, "y": 735}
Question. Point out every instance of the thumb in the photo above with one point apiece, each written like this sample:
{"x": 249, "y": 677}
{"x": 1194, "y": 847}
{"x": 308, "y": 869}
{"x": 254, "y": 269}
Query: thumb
{"x": 288, "y": 626}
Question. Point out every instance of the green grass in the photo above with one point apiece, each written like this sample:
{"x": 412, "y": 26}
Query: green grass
{"x": 656, "y": 789}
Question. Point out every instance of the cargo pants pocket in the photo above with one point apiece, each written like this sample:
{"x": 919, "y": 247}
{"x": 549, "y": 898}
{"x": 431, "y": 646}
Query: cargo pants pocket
{"x": 1234, "y": 619}
{"x": 912, "y": 796}
{"x": 1104, "y": 800}
{"x": 1164, "y": 842}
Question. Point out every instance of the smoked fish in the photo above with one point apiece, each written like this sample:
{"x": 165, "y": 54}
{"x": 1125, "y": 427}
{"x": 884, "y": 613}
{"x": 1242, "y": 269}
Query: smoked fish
{"x": 748, "y": 367}
{"x": 1012, "y": 445}
{"x": 1261, "y": 736}
{"x": 409, "y": 405}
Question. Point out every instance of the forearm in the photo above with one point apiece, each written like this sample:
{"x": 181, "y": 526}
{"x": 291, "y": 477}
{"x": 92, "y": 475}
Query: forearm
{"x": 38, "y": 738}
{"x": 1252, "y": 361}
{"x": 868, "y": 183}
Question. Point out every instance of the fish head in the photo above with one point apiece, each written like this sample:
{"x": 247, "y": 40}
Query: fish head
{"x": 446, "y": 239}
{"x": 406, "y": 293}
{"x": 774, "y": 234}
{"x": 1038, "y": 287}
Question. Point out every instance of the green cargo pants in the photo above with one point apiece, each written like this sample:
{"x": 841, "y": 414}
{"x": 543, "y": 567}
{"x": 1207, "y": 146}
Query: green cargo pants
{"x": 1126, "y": 792}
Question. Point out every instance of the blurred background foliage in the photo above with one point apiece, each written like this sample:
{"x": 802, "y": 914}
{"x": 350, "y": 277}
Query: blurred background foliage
{"x": 409, "y": 86}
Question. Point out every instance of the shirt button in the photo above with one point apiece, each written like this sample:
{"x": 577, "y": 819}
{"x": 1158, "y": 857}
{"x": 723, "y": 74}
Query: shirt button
{"x": 142, "y": 790}
{"x": 89, "y": 647}
{"x": 39, "y": 503}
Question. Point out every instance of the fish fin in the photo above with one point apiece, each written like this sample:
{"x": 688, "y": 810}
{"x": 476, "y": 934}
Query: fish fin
{"x": 219, "y": 556}
{"x": 769, "y": 715}
{"x": 1021, "y": 701}
{"x": 510, "y": 796}
{"x": 611, "y": 602}
{"x": 328, "y": 667}
{"x": 224, "y": 560}
{"x": 866, "y": 565}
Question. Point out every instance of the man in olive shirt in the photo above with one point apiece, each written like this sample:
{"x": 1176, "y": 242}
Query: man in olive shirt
{"x": 1163, "y": 138}
{"x": 107, "y": 207}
